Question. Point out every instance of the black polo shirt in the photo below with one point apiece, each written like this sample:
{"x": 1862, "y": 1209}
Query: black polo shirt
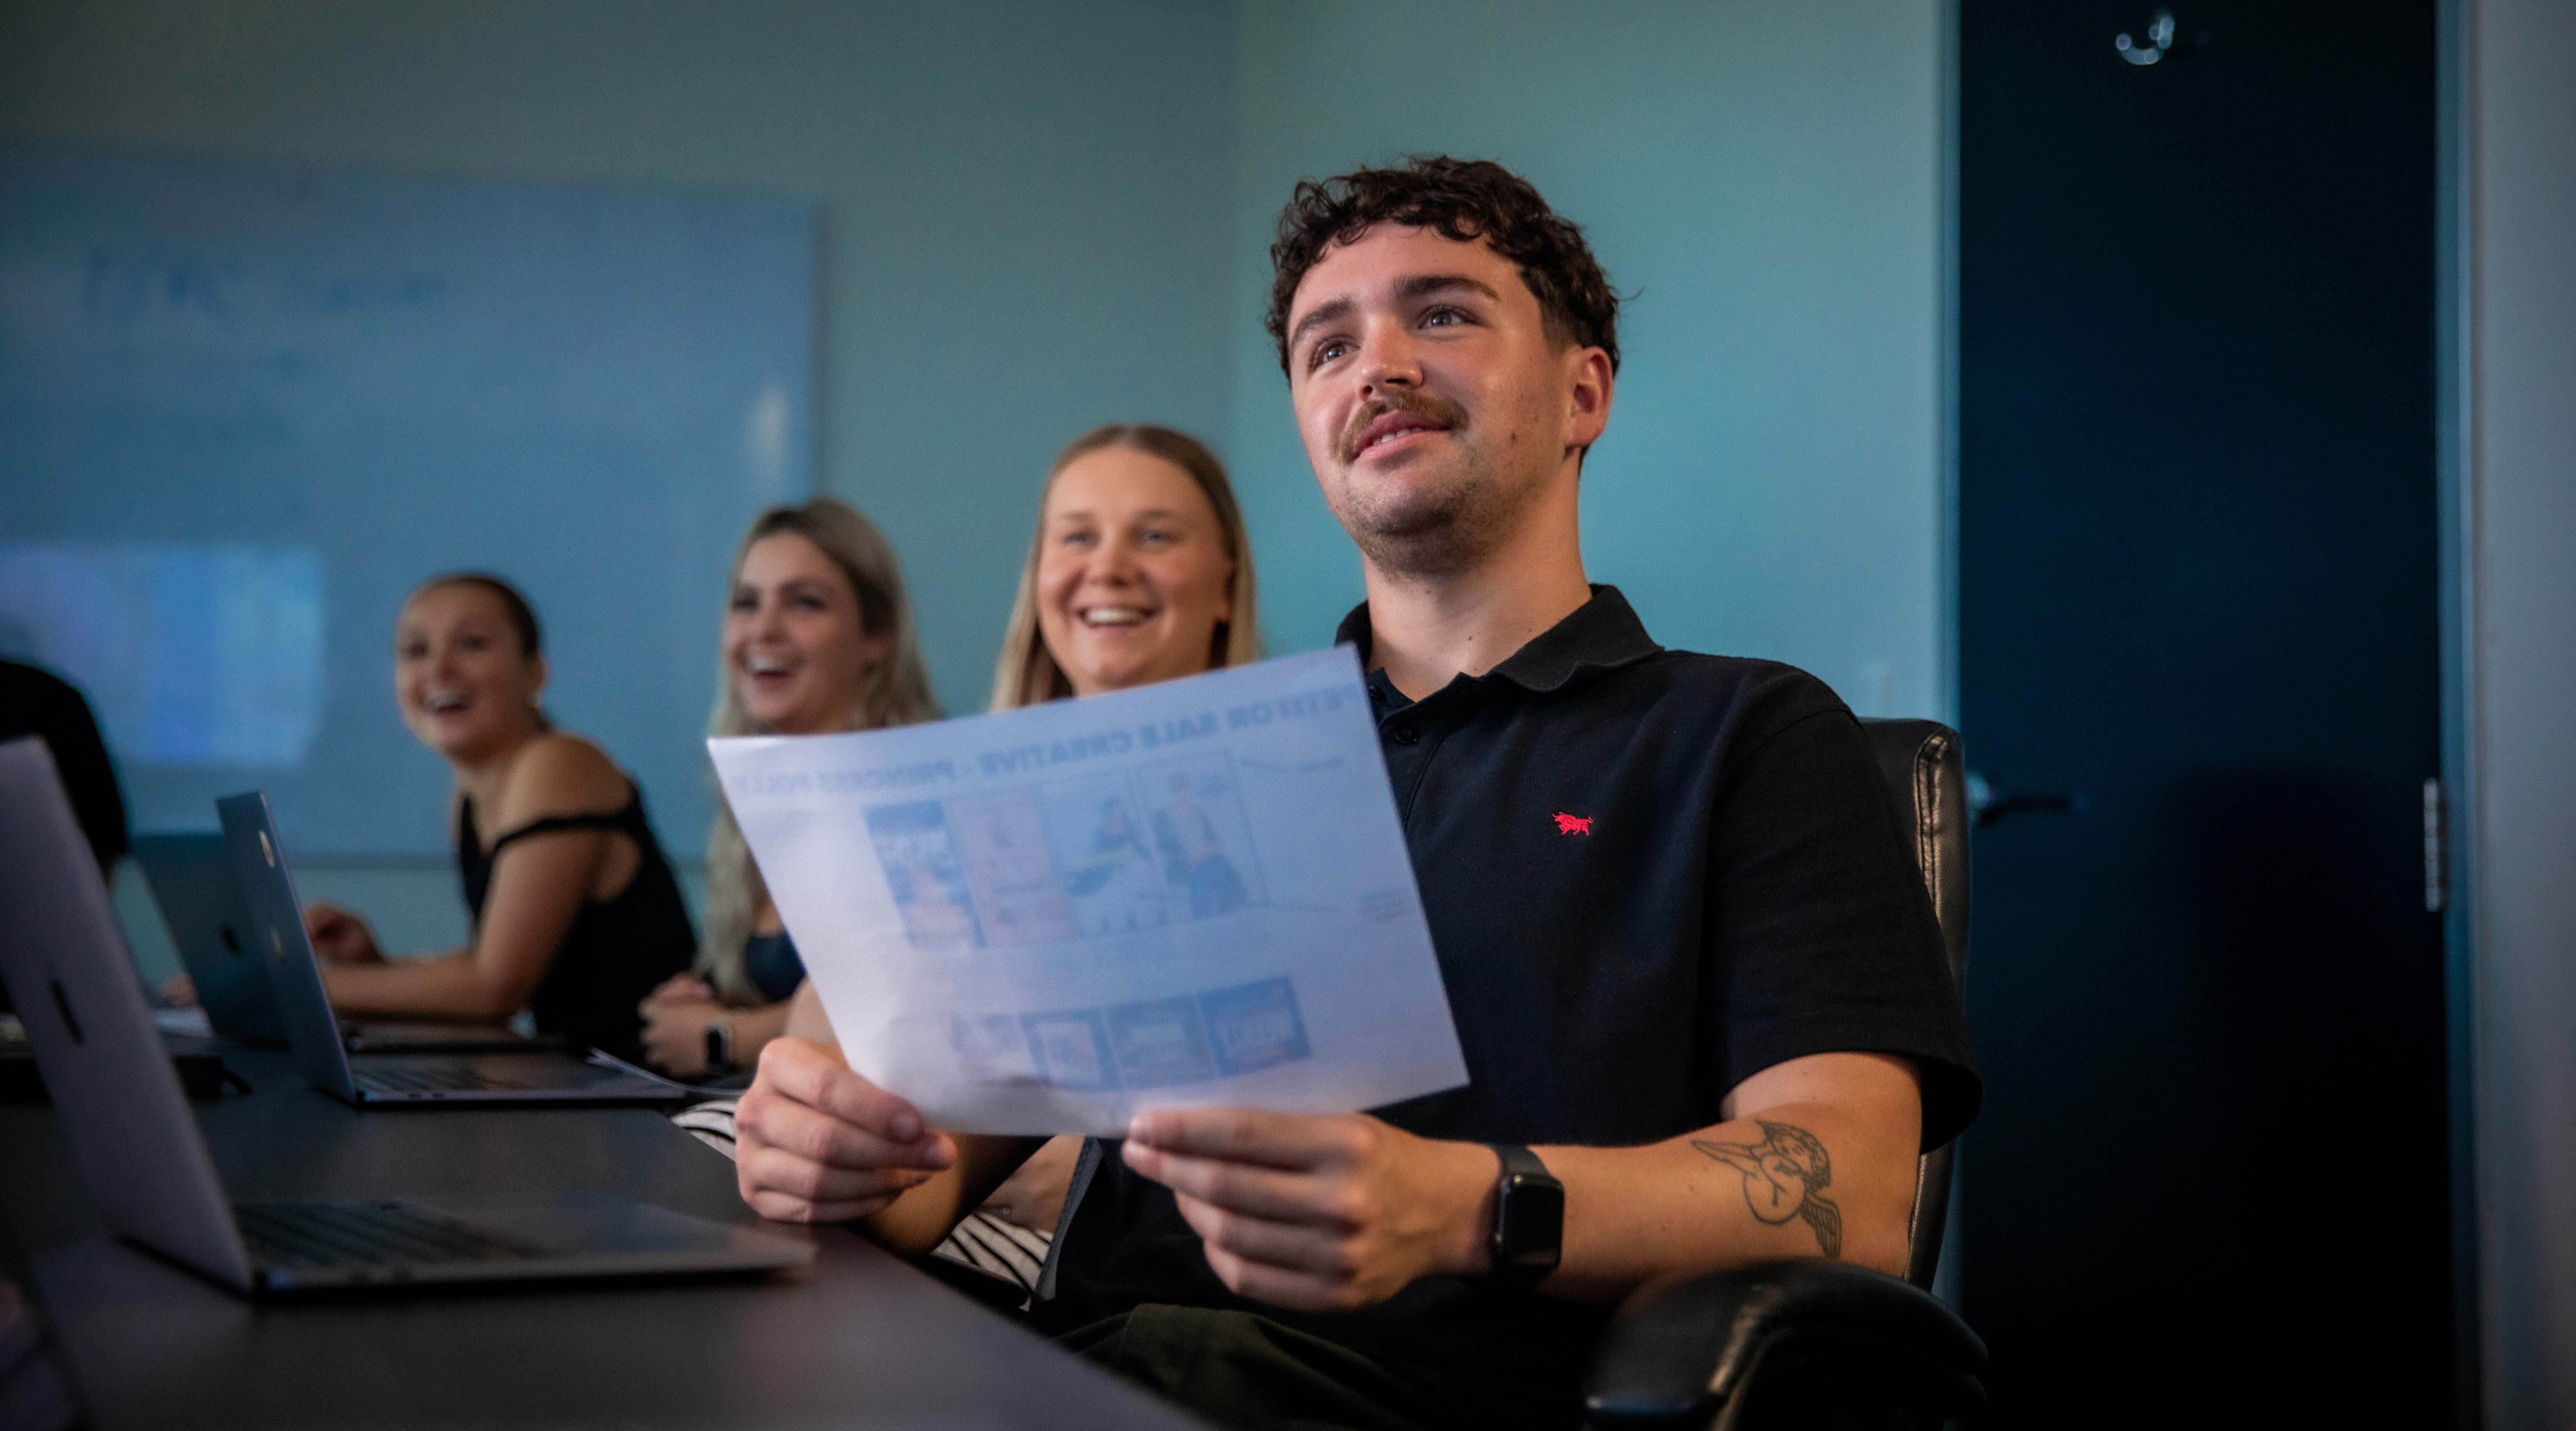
{"x": 1649, "y": 875}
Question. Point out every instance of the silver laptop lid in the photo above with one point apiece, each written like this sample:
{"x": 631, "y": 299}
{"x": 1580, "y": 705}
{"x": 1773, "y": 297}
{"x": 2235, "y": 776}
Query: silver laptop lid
{"x": 75, "y": 989}
{"x": 277, "y": 925}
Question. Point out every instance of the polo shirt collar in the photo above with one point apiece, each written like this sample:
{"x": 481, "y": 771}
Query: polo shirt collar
{"x": 1602, "y": 634}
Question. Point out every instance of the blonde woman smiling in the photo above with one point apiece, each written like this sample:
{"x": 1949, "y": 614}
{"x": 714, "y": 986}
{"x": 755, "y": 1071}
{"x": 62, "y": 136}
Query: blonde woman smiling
{"x": 818, "y": 637}
{"x": 1140, "y": 571}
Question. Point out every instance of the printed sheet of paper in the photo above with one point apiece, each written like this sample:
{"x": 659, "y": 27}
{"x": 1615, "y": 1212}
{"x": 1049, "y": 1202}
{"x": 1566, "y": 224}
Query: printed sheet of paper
{"x": 1043, "y": 920}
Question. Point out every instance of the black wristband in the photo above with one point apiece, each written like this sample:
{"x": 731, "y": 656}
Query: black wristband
{"x": 1529, "y": 1219}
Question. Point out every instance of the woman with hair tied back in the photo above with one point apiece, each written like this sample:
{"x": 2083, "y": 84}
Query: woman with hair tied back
{"x": 1140, "y": 571}
{"x": 818, "y": 638}
{"x": 575, "y": 911}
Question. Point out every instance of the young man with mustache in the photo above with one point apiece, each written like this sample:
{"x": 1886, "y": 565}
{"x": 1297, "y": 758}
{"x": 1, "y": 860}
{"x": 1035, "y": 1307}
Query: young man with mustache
{"x": 1697, "y": 982}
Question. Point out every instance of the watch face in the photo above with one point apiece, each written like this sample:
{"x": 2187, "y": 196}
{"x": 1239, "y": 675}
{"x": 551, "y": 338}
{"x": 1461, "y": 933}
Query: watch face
{"x": 1532, "y": 1230}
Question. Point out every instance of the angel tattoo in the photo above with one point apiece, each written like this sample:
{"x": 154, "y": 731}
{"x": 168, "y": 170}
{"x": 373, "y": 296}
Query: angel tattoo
{"x": 1785, "y": 1176}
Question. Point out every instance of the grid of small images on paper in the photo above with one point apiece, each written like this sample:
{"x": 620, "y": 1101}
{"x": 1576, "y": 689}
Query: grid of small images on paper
{"x": 1089, "y": 858}
{"x": 1154, "y": 1043}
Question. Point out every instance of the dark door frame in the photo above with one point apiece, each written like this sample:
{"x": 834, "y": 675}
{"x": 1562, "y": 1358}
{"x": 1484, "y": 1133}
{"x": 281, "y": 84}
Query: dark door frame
{"x": 2455, "y": 489}
{"x": 2455, "y": 493}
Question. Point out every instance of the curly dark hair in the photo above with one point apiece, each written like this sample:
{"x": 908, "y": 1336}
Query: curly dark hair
{"x": 1460, "y": 199}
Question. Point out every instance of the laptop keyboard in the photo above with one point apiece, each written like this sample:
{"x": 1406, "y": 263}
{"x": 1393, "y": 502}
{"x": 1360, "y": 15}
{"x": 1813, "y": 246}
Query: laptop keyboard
{"x": 335, "y": 1234}
{"x": 434, "y": 1079}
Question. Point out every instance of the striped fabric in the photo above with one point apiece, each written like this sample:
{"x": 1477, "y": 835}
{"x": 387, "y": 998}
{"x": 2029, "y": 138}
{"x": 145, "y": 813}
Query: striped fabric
{"x": 984, "y": 1242}
{"x": 997, "y": 1245}
{"x": 710, "y": 1123}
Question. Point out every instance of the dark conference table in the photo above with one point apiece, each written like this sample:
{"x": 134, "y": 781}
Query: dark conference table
{"x": 861, "y": 1339}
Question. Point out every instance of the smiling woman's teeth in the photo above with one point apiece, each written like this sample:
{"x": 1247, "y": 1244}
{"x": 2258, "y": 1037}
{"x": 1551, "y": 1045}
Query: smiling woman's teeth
{"x": 1112, "y": 616}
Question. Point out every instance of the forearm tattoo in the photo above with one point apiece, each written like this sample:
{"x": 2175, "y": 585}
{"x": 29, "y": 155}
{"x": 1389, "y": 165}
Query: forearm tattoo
{"x": 1785, "y": 1176}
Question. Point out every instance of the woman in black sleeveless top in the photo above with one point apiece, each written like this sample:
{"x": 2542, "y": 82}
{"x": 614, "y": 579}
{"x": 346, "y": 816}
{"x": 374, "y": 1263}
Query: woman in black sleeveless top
{"x": 617, "y": 950}
{"x": 576, "y": 914}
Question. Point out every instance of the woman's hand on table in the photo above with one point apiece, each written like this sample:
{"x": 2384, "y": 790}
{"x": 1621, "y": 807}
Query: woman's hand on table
{"x": 339, "y": 936}
{"x": 675, "y": 1029}
{"x": 678, "y": 989}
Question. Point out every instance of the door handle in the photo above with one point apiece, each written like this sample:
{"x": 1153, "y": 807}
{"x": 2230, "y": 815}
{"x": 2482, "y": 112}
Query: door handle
{"x": 1986, "y": 804}
{"x": 2160, "y": 43}
{"x": 2160, "y": 38}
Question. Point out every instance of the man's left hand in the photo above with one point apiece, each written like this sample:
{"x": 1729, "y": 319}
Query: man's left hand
{"x": 1320, "y": 1213}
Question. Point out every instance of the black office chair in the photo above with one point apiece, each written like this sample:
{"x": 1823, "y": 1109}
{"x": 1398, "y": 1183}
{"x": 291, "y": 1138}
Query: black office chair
{"x": 1810, "y": 1341}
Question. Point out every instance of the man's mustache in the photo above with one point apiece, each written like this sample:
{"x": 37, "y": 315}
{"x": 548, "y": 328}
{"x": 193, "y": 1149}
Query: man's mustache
{"x": 1440, "y": 410}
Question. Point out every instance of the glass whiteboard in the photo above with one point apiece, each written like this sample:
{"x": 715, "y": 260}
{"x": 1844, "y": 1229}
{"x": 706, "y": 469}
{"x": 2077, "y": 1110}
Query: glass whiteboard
{"x": 244, "y": 410}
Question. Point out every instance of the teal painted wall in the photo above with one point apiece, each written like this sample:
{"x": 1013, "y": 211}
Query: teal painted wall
{"x": 1024, "y": 206}
{"x": 1040, "y": 217}
{"x": 1024, "y": 222}
{"x": 1765, "y": 180}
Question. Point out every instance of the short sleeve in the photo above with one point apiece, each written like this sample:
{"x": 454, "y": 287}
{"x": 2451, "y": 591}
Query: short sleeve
{"x": 1821, "y": 935}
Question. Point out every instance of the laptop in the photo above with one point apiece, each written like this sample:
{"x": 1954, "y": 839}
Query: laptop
{"x": 147, "y": 1167}
{"x": 193, "y": 886}
{"x": 388, "y": 1080}
{"x": 200, "y": 900}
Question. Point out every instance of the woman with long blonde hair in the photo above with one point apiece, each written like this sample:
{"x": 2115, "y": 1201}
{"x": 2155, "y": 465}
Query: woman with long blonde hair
{"x": 1140, "y": 571}
{"x": 818, "y": 637}
{"x": 1132, "y": 515}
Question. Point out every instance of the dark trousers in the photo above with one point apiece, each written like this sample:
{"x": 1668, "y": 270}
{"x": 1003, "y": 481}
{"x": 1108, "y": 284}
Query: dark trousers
{"x": 1252, "y": 1374}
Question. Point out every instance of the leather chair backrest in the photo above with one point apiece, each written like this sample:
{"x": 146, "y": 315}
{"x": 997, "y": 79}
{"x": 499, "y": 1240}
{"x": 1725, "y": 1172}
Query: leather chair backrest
{"x": 1929, "y": 779}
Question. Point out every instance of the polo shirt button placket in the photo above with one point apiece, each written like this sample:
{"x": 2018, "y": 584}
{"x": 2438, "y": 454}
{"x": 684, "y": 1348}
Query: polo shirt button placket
{"x": 1405, "y": 735}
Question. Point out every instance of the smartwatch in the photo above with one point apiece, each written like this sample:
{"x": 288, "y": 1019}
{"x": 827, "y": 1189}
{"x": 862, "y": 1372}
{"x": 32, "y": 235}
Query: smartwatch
{"x": 1529, "y": 1219}
{"x": 720, "y": 1044}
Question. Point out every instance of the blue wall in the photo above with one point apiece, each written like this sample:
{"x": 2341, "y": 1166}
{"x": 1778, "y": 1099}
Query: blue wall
{"x": 1024, "y": 206}
{"x": 1764, "y": 179}
{"x": 1024, "y": 223}
{"x": 1039, "y": 217}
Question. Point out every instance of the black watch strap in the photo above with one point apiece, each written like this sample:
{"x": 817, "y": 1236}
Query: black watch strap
{"x": 1529, "y": 1219}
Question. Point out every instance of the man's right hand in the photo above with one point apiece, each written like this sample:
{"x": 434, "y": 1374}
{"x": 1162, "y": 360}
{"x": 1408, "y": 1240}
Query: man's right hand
{"x": 815, "y": 1142}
